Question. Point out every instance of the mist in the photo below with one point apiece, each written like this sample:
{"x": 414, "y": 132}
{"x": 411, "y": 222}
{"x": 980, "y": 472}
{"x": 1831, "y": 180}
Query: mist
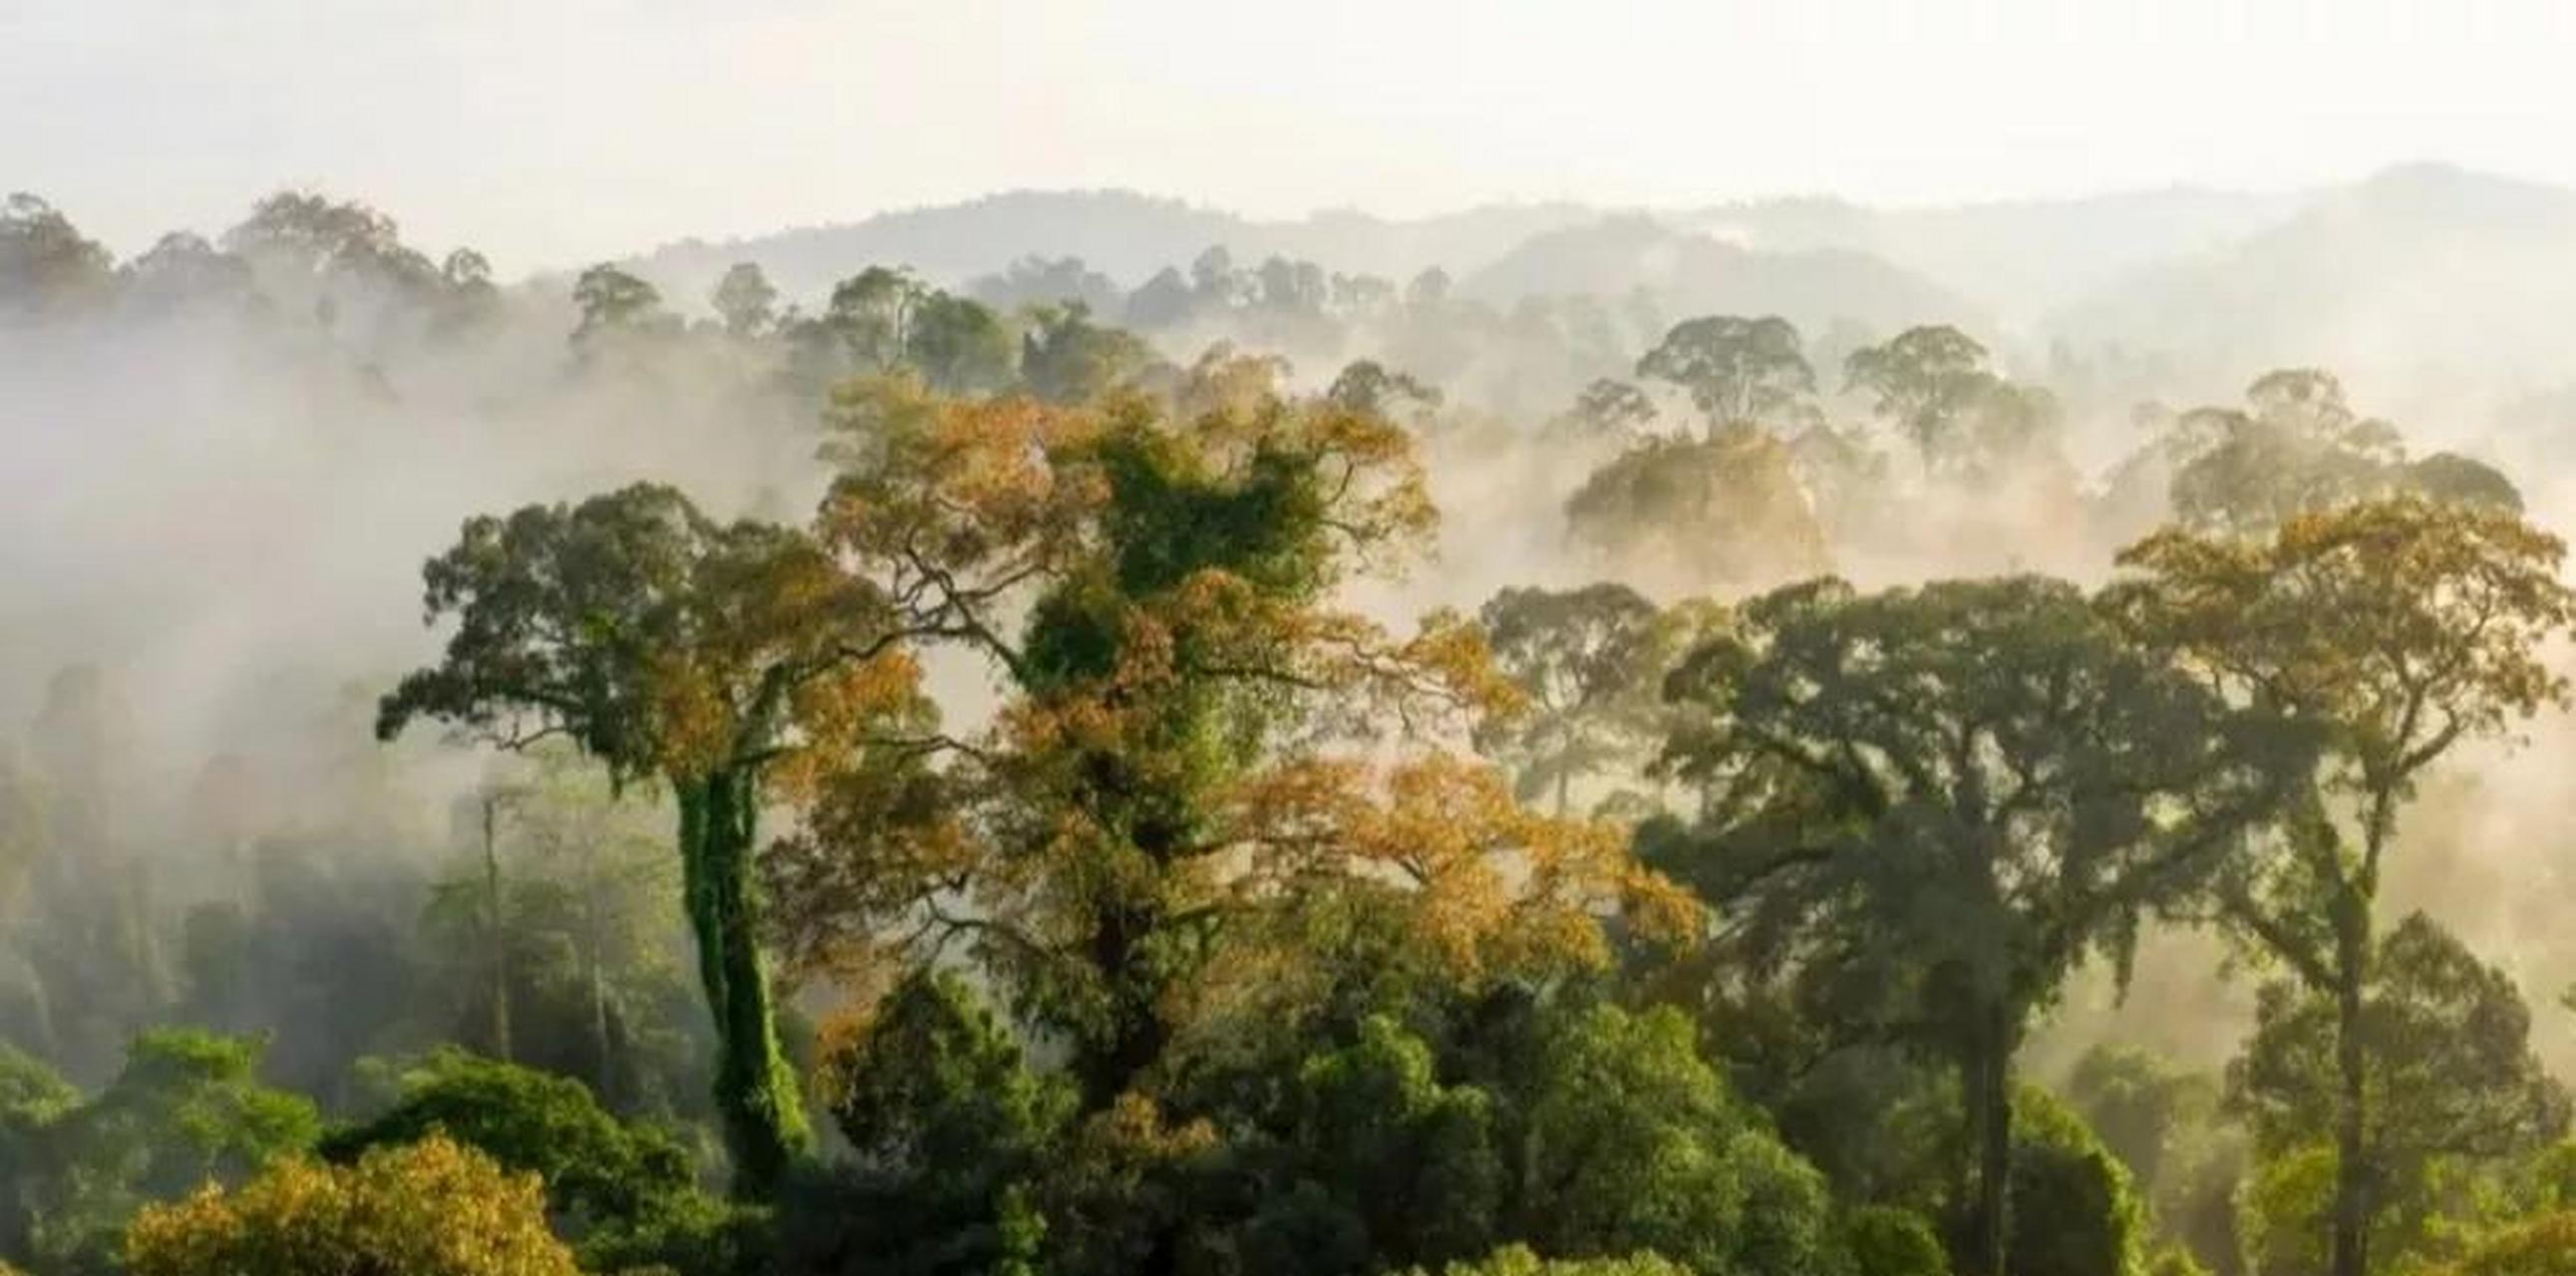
{"x": 228, "y": 458}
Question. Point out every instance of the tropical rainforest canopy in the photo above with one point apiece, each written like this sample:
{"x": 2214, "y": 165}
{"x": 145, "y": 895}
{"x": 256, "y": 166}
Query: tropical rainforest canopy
{"x": 1268, "y": 771}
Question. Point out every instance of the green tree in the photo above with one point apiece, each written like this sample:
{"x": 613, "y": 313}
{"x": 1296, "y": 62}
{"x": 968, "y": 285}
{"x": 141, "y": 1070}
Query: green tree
{"x": 953, "y": 1132}
{"x": 1738, "y": 371}
{"x": 1589, "y": 663}
{"x": 1402, "y": 1168}
{"x": 2449, "y": 1075}
{"x": 1065, "y": 358}
{"x": 613, "y": 301}
{"x": 745, "y": 300}
{"x": 186, "y": 1109}
{"x": 1939, "y": 800}
{"x": 1606, "y": 409}
{"x": 45, "y": 262}
{"x": 1726, "y": 512}
{"x": 2297, "y": 446}
{"x": 1519, "y": 1260}
{"x": 1620, "y": 1138}
{"x": 596, "y": 1170}
{"x": 2167, "y": 1124}
{"x": 725, "y": 660}
{"x": 2397, "y": 629}
{"x": 872, "y": 314}
{"x": 960, "y": 345}
{"x": 1369, "y": 387}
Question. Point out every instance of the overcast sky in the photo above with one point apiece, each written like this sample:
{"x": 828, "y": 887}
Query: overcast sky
{"x": 550, "y": 132}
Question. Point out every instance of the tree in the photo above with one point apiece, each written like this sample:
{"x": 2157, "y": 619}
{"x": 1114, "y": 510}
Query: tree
{"x": 1519, "y": 1260}
{"x": 1589, "y": 663}
{"x": 872, "y": 312}
{"x": 2168, "y": 1125}
{"x": 1606, "y": 409}
{"x": 1395, "y": 1165}
{"x": 597, "y": 1172}
{"x": 960, "y": 345}
{"x": 45, "y": 261}
{"x": 185, "y": 1110}
{"x": 1737, "y": 370}
{"x": 1936, "y": 801}
{"x": 1629, "y": 1142}
{"x": 1925, "y": 379}
{"x": 1066, "y": 359}
{"x": 2297, "y": 446}
{"x": 613, "y": 301}
{"x": 428, "y": 1209}
{"x": 745, "y": 300}
{"x": 954, "y": 1133}
{"x": 1180, "y": 761}
{"x": 725, "y": 660}
{"x": 2397, "y": 629}
{"x": 1368, "y": 387}
{"x": 2449, "y": 1071}
{"x": 1725, "y": 512}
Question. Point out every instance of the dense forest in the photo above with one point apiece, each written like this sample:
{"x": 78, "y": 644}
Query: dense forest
{"x": 1247, "y": 768}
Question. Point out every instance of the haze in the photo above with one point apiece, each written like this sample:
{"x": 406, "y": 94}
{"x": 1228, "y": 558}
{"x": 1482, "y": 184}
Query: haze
{"x": 557, "y": 132}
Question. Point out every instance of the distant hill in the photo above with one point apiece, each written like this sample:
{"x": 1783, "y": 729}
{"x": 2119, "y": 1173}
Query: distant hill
{"x": 1122, "y": 234}
{"x": 1688, "y": 272}
{"x": 2379, "y": 278}
{"x": 2019, "y": 259}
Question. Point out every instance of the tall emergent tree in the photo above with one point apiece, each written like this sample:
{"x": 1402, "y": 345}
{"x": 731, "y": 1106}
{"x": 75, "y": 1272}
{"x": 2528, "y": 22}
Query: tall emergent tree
{"x": 2398, "y": 628}
{"x": 1738, "y": 371}
{"x": 1185, "y": 755}
{"x": 1930, "y": 804}
{"x": 721, "y": 659}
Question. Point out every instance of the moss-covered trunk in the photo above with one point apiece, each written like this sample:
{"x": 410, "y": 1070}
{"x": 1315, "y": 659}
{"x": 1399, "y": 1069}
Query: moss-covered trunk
{"x": 756, "y": 1091}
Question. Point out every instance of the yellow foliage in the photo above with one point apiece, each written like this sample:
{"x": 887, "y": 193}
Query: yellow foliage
{"x": 434, "y": 1208}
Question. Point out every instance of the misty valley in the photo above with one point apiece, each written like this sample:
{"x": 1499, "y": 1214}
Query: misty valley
{"x": 1084, "y": 735}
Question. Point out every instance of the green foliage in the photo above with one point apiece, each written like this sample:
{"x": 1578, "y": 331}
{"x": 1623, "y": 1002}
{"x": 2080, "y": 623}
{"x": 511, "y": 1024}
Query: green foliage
{"x": 1738, "y": 371}
{"x": 1933, "y": 384}
{"x": 1589, "y": 663}
{"x": 2298, "y": 447}
{"x": 1407, "y": 1167}
{"x": 1928, "y": 805}
{"x": 1725, "y": 512}
{"x": 186, "y": 1109}
{"x": 613, "y": 301}
{"x": 2074, "y": 1211}
{"x": 952, "y": 1132}
{"x": 1066, "y": 358}
{"x": 1632, "y": 1142}
{"x": 2165, "y": 1124}
{"x": 2449, "y": 1065}
{"x": 1519, "y": 1260}
{"x": 1883, "y": 1240}
{"x": 596, "y": 1170}
{"x": 2542, "y": 1245}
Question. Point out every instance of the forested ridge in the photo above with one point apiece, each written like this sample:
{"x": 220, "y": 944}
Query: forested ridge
{"x": 1271, "y": 770}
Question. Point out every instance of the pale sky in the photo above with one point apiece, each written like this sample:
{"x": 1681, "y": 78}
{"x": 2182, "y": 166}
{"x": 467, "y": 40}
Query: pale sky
{"x": 551, "y": 132}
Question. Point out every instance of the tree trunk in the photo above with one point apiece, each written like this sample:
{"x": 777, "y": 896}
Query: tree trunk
{"x": 2352, "y": 1205}
{"x": 495, "y": 934}
{"x": 1989, "y": 1081}
{"x": 1135, "y": 1034}
{"x": 756, "y": 1092}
